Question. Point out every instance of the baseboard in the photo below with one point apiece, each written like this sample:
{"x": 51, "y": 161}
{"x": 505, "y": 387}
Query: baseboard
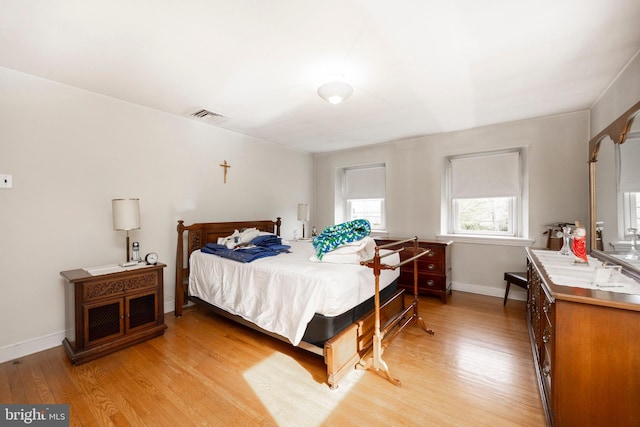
{"x": 17, "y": 350}
{"x": 24, "y": 348}
{"x": 515, "y": 293}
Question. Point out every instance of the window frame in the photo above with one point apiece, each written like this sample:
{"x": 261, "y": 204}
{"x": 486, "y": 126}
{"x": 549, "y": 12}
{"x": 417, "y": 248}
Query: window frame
{"x": 346, "y": 201}
{"x": 518, "y": 215}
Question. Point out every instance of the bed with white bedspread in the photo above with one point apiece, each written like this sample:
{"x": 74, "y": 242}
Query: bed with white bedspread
{"x": 286, "y": 295}
{"x": 282, "y": 293}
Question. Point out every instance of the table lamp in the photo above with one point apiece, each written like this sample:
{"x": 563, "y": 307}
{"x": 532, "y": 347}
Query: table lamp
{"x": 303, "y": 215}
{"x": 126, "y": 216}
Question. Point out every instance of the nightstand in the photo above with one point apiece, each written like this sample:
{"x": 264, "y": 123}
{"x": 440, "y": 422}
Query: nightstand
{"x": 108, "y": 312}
{"x": 434, "y": 269}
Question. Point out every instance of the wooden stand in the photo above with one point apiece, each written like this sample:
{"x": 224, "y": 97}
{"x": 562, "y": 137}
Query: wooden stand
{"x": 108, "y": 312}
{"x": 382, "y": 338}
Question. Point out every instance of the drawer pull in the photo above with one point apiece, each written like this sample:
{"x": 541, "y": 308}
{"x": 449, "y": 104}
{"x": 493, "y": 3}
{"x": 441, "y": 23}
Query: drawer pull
{"x": 431, "y": 267}
{"x": 431, "y": 254}
{"x": 430, "y": 283}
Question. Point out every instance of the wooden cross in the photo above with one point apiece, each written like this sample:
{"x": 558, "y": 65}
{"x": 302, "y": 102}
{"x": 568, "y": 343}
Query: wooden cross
{"x": 226, "y": 166}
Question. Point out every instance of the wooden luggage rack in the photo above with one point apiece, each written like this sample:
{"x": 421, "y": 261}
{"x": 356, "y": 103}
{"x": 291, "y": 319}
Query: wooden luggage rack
{"x": 382, "y": 338}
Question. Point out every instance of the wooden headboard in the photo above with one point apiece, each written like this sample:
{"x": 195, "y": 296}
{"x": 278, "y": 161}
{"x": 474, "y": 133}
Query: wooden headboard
{"x": 199, "y": 235}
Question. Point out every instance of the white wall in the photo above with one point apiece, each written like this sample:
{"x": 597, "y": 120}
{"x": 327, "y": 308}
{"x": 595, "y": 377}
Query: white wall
{"x": 71, "y": 151}
{"x": 621, "y": 95}
{"x": 558, "y": 187}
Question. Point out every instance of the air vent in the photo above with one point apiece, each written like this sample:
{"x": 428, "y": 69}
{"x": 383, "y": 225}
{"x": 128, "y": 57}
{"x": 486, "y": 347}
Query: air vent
{"x": 206, "y": 114}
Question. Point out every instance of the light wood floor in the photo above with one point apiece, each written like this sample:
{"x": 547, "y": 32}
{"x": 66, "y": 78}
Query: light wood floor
{"x": 477, "y": 370}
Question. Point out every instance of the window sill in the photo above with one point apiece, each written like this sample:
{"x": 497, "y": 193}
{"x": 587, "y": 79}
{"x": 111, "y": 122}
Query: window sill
{"x": 486, "y": 240}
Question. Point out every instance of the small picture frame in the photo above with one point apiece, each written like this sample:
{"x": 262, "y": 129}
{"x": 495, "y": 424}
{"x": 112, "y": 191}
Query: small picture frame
{"x": 606, "y": 276}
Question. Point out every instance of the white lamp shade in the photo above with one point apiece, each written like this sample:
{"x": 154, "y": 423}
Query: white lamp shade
{"x": 303, "y": 212}
{"x": 335, "y": 92}
{"x": 126, "y": 214}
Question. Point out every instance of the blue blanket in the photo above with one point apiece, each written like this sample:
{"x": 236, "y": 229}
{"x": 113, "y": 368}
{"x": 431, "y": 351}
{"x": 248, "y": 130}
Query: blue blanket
{"x": 263, "y": 246}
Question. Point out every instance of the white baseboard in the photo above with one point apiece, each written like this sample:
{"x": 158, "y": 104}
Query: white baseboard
{"x": 24, "y": 348}
{"x": 515, "y": 293}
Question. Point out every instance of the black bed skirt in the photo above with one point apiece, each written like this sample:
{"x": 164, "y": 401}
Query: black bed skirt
{"x": 321, "y": 328}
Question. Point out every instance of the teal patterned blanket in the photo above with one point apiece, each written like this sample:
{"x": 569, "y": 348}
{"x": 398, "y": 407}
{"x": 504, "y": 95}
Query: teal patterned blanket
{"x": 337, "y": 235}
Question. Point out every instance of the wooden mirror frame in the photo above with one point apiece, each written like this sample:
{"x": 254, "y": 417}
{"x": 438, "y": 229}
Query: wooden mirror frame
{"x": 617, "y": 131}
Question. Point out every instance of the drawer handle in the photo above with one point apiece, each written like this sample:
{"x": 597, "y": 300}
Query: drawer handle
{"x": 431, "y": 254}
{"x": 431, "y": 267}
{"x": 430, "y": 283}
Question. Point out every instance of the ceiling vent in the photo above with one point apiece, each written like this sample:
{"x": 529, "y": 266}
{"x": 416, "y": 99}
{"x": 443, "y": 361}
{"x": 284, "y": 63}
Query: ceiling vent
{"x": 206, "y": 114}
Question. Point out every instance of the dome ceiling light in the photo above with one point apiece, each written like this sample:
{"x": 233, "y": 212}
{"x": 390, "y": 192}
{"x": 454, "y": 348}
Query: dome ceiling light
{"x": 335, "y": 92}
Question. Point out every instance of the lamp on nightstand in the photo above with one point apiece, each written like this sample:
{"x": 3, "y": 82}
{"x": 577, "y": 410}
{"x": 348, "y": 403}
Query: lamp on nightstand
{"x": 303, "y": 215}
{"x": 126, "y": 216}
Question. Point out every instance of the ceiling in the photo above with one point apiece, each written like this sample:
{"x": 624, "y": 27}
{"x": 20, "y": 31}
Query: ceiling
{"x": 418, "y": 67}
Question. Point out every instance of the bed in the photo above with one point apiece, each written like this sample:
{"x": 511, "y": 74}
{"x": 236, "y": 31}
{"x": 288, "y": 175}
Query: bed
{"x": 325, "y": 319}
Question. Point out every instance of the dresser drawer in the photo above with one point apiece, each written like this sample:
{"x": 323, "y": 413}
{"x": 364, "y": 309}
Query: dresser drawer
{"x": 433, "y": 262}
{"x": 107, "y": 288}
{"x": 426, "y": 282}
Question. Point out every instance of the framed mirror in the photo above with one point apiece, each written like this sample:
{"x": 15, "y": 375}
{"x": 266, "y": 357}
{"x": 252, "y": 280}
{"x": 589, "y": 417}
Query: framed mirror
{"x": 614, "y": 186}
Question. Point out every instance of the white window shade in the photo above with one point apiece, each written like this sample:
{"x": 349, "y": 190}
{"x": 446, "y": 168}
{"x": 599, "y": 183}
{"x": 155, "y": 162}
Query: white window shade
{"x": 630, "y": 166}
{"x": 495, "y": 175}
{"x": 365, "y": 183}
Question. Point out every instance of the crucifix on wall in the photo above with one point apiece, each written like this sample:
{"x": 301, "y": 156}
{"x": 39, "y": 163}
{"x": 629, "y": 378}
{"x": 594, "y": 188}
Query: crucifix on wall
{"x": 226, "y": 166}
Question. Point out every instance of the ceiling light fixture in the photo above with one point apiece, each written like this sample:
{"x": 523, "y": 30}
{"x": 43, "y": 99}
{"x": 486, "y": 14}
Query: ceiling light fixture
{"x": 335, "y": 92}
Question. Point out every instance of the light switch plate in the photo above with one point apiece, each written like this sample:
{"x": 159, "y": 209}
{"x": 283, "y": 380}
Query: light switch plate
{"x": 6, "y": 181}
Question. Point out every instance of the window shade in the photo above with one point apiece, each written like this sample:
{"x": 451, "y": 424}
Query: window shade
{"x": 495, "y": 175}
{"x": 629, "y": 166}
{"x": 365, "y": 183}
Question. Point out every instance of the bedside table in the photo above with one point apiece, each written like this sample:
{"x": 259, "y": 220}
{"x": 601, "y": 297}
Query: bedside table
{"x": 108, "y": 312}
{"x": 434, "y": 269}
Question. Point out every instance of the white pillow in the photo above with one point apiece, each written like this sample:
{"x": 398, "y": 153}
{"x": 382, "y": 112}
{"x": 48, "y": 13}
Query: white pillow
{"x": 351, "y": 253}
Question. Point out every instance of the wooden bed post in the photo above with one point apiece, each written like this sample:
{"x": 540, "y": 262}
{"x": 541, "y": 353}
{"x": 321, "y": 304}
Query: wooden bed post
{"x": 278, "y": 224}
{"x": 179, "y": 297}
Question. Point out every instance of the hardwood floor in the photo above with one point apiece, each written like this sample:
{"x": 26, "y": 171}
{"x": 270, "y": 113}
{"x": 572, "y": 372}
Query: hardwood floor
{"x": 477, "y": 370}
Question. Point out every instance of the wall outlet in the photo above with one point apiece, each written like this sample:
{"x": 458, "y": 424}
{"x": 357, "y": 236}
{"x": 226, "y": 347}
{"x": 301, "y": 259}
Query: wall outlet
{"x": 6, "y": 181}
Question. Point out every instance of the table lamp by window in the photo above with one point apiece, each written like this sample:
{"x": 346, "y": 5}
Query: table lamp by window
{"x": 126, "y": 216}
{"x": 303, "y": 215}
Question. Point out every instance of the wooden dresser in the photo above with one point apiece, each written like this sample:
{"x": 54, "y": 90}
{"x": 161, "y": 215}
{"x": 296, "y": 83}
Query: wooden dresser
{"x": 108, "y": 312}
{"x": 434, "y": 269}
{"x": 586, "y": 349}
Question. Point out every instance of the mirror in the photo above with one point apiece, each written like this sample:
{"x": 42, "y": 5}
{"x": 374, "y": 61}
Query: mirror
{"x": 606, "y": 195}
{"x": 614, "y": 181}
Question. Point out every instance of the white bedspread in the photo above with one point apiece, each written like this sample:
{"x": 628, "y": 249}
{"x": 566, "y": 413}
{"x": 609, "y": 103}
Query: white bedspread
{"x": 282, "y": 293}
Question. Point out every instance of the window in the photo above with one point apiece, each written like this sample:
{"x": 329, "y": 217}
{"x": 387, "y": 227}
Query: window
{"x": 485, "y": 194}
{"x": 364, "y": 192}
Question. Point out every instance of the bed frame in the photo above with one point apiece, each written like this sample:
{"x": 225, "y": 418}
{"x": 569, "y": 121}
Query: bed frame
{"x": 347, "y": 348}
